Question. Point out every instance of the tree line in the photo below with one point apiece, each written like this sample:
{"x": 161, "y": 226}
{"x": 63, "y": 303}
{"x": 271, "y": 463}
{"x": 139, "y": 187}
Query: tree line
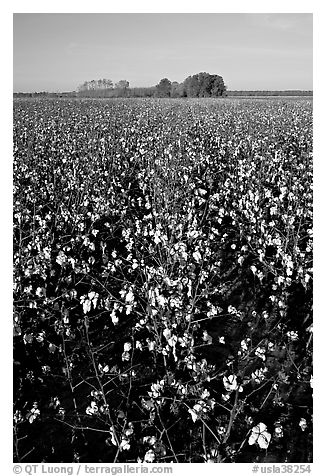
{"x": 198, "y": 85}
{"x": 103, "y": 85}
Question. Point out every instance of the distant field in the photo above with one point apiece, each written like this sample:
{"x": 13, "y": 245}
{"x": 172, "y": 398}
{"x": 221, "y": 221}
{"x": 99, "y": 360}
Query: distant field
{"x": 163, "y": 280}
{"x": 288, "y": 98}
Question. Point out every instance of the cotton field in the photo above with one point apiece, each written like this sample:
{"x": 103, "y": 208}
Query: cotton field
{"x": 163, "y": 280}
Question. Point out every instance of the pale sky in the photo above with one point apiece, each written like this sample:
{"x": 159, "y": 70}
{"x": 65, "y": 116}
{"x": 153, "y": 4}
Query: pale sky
{"x": 57, "y": 52}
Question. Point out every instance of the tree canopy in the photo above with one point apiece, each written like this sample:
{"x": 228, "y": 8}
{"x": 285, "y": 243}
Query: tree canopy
{"x": 204, "y": 85}
{"x": 198, "y": 85}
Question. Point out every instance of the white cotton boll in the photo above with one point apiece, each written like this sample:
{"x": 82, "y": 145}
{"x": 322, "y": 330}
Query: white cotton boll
{"x": 149, "y": 456}
{"x": 193, "y": 414}
{"x": 125, "y": 356}
{"x": 207, "y": 338}
{"x": 167, "y": 333}
{"x": 161, "y": 300}
{"x": 114, "y": 318}
{"x": 139, "y": 345}
{"x": 260, "y": 436}
{"x": 40, "y": 292}
{"x": 127, "y": 346}
{"x": 92, "y": 409}
{"x": 130, "y": 296}
{"x": 124, "y": 445}
{"x": 230, "y": 383}
{"x": 197, "y": 256}
{"x": 86, "y": 306}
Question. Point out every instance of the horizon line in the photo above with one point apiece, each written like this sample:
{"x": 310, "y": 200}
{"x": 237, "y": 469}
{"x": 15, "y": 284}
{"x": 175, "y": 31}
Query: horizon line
{"x": 149, "y": 87}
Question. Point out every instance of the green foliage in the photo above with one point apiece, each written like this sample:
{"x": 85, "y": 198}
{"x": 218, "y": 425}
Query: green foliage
{"x": 164, "y": 88}
{"x": 199, "y": 85}
{"x": 204, "y": 85}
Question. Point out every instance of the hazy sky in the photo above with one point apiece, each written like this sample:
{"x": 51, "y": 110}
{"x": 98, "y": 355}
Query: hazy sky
{"x": 57, "y": 52}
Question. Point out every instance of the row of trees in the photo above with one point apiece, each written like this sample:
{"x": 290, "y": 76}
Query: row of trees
{"x": 198, "y": 85}
{"x": 99, "y": 87}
